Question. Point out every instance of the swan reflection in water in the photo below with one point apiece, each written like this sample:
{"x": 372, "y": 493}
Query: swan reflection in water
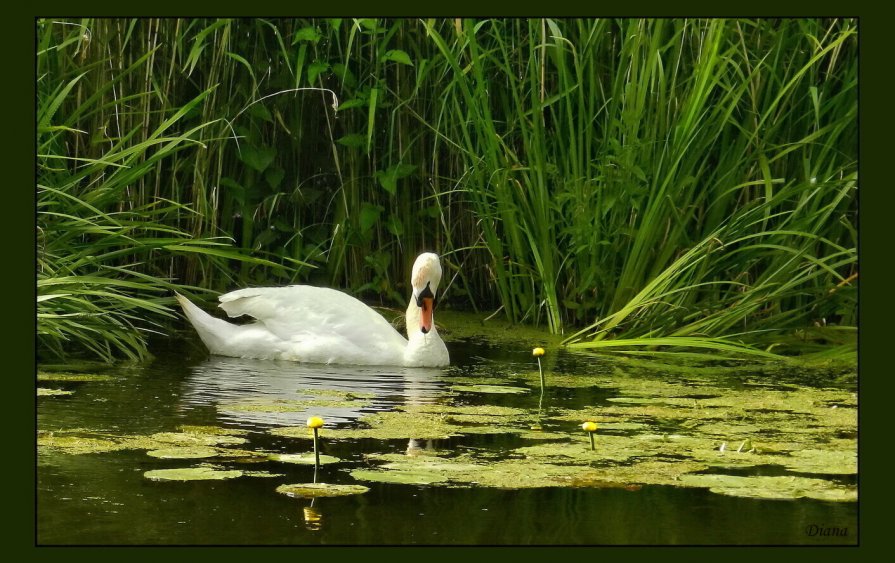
{"x": 234, "y": 385}
{"x": 230, "y": 384}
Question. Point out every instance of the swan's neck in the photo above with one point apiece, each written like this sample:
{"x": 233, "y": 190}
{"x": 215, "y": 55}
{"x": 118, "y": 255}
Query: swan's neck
{"x": 423, "y": 349}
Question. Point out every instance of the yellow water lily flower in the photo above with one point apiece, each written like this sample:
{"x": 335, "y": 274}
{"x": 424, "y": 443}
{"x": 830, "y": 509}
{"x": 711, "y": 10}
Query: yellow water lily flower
{"x": 590, "y": 427}
{"x": 315, "y": 422}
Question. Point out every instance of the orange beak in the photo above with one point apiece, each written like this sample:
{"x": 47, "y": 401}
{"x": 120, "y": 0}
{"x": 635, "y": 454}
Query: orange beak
{"x": 426, "y": 316}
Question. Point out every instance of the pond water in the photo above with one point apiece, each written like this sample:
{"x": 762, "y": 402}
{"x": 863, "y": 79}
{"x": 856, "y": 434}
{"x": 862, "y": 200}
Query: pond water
{"x": 469, "y": 455}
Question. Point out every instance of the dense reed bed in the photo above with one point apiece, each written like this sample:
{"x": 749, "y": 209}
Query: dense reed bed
{"x": 628, "y": 183}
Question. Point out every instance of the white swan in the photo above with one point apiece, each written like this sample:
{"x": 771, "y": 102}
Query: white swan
{"x": 319, "y": 325}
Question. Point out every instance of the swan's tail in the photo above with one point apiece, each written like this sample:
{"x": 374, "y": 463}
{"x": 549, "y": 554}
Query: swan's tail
{"x": 214, "y": 332}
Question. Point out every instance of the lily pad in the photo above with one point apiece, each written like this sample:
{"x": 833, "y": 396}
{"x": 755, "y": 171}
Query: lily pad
{"x": 316, "y": 490}
{"x": 303, "y": 458}
{"x": 79, "y": 377}
{"x": 192, "y": 474}
{"x": 496, "y": 389}
{"x": 262, "y": 474}
{"x": 185, "y": 452}
{"x": 45, "y": 392}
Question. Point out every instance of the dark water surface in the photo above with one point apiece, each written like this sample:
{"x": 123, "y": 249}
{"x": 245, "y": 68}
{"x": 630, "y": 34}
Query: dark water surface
{"x": 103, "y": 498}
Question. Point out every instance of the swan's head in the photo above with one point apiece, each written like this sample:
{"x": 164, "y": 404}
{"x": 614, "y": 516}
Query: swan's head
{"x": 424, "y": 280}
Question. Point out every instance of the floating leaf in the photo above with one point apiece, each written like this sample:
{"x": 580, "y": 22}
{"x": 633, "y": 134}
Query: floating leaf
{"x": 497, "y": 389}
{"x": 192, "y": 474}
{"x": 80, "y": 377}
{"x": 303, "y": 458}
{"x": 186, "y": 452}
{"x": 316, "y": 490}
{"x": 45, "y": 392}
{"x": 261, "y": 474}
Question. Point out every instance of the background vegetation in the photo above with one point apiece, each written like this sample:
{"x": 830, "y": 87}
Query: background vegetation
{"x": 623, "y": 182}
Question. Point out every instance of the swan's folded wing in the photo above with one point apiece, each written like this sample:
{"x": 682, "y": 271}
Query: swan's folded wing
{"x": 300, "y": 311}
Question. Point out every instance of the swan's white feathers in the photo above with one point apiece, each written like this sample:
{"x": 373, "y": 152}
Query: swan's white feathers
{"x": 297, "y": 313}
{"x": 320, "y": 325}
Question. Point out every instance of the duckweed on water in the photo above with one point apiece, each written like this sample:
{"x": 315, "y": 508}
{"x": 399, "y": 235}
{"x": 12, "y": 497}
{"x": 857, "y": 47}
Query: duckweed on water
{"x": 828, "y": 462}
{"x": 212, "y": 430}
{"x": 197, "y": 439}
{"x": 495, "y": 331}
{"x": 76, "y": 445}
{"x": 382, "y": 426}
{"x": 287, "y": 405}
{"x": 651, "y": 432}
{"x": 84, "y": 441}
{"x": 566, "y": 381}
{"x": 424, "y": 422}
{"x": 794, "y": 428}
{"x": 515, "y": 473}
{"x": 451, "y": 377}
{"x": 315, "y": 398}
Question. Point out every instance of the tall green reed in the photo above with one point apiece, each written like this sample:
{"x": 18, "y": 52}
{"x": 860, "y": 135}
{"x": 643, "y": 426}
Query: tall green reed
{"x": 639, "y": 178}
{"x": 109, "y": 250}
